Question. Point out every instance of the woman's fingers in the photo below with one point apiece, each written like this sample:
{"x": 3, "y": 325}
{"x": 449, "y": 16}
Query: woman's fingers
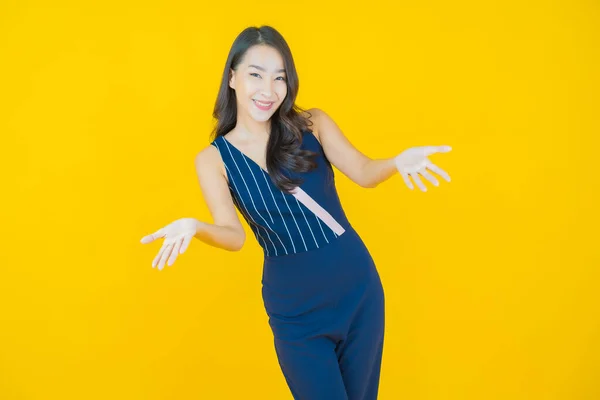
{"x": 153, "y": 236}
{"x": 148, "y": 239}
{"x": 175, "y": 252}
{"x": 159, "y": 254}
{"x": 429, "y": 150}
{"x": 177, "y": 237}
{"x": 186, "y": 242}
{"x": 429, "y": 177}
{"x": 165, "y": 256}
{"x": 407, "y": 180}
{"x": 168, "y": 253}
{"x": 418, "y": 182}
{"x": 439, "y": 171}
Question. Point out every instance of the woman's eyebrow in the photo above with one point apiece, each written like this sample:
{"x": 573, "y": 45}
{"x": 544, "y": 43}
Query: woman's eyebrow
{"x": 262, "y": 69}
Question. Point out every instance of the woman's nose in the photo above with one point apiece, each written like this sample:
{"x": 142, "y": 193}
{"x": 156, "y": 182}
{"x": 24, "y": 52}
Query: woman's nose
{"x": 267, "y": 88}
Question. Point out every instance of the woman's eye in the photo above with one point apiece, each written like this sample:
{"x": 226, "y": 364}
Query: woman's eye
{"x": 258, "y": 76}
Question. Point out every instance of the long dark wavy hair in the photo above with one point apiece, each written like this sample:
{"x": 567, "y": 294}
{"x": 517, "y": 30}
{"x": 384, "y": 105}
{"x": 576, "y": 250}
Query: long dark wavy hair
{"x": 287, "y": 123}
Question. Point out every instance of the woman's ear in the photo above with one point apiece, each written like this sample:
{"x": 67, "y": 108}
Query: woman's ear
{"x": 231, "y": 78}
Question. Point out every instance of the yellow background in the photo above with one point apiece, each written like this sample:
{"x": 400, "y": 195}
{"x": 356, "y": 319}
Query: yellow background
{"x": 491, "y": 280}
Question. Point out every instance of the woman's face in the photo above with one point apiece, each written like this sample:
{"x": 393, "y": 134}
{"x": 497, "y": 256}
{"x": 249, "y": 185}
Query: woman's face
{"x": 259, "y": 82}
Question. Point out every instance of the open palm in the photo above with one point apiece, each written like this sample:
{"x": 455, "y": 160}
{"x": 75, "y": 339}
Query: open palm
{"x": 177, "y": 236}
{"x": 414, "y": 161}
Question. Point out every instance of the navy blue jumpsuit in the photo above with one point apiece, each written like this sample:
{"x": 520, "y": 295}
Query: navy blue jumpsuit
{"x": 321, "y": 291}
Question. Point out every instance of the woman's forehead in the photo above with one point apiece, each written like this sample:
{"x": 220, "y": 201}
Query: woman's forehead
{"x": 264, "y": 58}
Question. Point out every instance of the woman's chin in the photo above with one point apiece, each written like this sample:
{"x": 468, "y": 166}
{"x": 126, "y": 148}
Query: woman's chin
{"x": 262, "y": 117}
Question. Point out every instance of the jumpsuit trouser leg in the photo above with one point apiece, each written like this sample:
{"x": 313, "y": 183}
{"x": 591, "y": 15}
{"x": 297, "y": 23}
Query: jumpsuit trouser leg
{"x": 326, "y": 310}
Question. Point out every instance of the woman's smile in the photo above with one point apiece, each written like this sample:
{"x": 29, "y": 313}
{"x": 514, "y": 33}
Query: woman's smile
{"x": 263, "y": 106}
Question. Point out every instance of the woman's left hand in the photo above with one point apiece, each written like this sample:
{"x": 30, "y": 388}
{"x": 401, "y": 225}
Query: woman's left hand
{"x": 413, "y": 161}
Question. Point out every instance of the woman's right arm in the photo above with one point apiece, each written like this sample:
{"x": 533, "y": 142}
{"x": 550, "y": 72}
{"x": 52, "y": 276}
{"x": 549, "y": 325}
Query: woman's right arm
{"x": 226, "y": 232}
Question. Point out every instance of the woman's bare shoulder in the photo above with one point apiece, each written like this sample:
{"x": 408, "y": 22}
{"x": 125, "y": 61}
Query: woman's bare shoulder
{"x": 210, "y": 158}
{"x": 312, "y": 115}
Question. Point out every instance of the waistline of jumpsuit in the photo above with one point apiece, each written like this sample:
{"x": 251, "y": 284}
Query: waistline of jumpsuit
{"x": 348, "y": 231}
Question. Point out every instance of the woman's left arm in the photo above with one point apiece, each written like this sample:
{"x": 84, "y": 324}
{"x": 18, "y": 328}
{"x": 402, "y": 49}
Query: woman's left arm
{"x": 367, "y": 172}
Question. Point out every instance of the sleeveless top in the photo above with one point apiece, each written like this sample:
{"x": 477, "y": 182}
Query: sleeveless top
{"x": 281, "y": 224}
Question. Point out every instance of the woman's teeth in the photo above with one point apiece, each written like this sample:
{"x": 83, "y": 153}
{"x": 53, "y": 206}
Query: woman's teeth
{"x": 263, "y": 106}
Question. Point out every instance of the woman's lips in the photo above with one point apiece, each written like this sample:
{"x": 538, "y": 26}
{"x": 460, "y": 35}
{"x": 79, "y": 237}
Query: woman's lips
{"x": 263, "y": 107}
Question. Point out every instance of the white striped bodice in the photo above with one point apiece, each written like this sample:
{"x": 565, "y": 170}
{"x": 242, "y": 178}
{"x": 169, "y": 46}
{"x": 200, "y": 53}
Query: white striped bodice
{"x": 281, "y": 224}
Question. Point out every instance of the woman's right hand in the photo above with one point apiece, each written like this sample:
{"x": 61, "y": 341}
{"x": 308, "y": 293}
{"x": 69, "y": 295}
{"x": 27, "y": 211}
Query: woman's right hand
{"x": 178, "y": 235}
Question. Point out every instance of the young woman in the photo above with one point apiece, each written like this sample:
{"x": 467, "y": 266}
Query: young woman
{"x": 273, "y": 162}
